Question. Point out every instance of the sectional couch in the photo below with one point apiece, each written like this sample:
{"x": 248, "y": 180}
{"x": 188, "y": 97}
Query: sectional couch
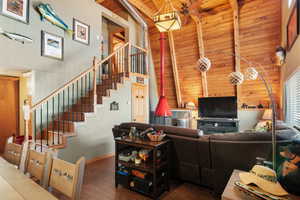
{"x": 209, "y": 160}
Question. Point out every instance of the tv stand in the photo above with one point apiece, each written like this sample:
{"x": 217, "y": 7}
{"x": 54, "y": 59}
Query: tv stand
{"x": 218, "y": 125}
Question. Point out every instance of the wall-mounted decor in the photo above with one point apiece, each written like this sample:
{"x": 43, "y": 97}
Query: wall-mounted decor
{"x": 293, "y": 26}
{"x": 15, "y": 36}
{"x": 81, "y": 32}
{"x": 52, "y": 46}
{"x": 47, "y": 12}
{"x": 114, "y": 106}
{"x": 16, "y": 9}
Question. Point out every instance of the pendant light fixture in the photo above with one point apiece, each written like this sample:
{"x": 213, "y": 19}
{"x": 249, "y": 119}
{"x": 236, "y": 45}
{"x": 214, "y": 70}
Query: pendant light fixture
{"x": 167, "y": 18}
{"x": 162, "y": 109}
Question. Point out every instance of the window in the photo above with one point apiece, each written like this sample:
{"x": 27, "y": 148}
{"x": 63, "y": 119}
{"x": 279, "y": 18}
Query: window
{"x": 292, "y": 92}
{"x": 290, "y": 3}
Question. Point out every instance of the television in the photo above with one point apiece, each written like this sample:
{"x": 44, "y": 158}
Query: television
{"x": 218, "y": 107}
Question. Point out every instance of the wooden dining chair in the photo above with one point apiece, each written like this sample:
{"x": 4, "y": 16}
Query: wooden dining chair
{"x": 38, "y": 166}
{"x": 12, "y": 152}
{"x": 67, "y": 178}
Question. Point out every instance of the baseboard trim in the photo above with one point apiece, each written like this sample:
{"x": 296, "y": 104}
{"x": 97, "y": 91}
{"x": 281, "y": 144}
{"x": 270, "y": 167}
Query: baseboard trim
{"x": 99, "y": 158}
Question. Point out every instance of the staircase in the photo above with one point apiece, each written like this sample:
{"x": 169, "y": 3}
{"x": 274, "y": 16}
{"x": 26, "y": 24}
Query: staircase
{"x": 54, "y": 117}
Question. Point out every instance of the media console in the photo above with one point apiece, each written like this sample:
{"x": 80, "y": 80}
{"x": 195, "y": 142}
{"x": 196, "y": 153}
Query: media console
{"x": 218, "y": 125}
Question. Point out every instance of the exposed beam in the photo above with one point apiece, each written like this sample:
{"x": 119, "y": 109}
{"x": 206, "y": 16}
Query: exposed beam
{"x": 175, "y": 69}
{"x": 149, "y": 12}
{"x": 201, "y": 53}
{"x": 236, "y": 26}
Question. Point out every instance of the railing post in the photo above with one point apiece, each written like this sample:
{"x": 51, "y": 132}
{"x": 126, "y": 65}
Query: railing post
{"x": 129, "y": 58}
{"x": 95, "y": 80}
{"x": 26, "y": 112}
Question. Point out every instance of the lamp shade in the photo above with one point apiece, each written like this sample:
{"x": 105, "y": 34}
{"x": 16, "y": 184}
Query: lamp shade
{"x": 267, "y": 114}
{"x": 167, "y": 21}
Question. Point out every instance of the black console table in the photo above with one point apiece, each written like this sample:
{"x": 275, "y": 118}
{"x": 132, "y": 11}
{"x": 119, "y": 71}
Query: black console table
{"x": 218, "y": 125}
{"x": 155, "y": 169}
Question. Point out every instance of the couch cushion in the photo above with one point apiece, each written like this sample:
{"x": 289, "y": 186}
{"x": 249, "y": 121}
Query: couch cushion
{"x": 139, "y": 126}
{"x": 172, "y": 130}
{"x": 285, "y": 134}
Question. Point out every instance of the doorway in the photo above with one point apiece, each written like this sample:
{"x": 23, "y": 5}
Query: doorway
{"x": 139, "y": 104}
{"x": 9, "y": 108}
{"x": 113, "y": 37}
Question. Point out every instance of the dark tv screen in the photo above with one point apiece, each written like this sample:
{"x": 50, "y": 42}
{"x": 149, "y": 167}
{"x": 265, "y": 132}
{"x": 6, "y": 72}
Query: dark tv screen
{"x": 218, "y": 107}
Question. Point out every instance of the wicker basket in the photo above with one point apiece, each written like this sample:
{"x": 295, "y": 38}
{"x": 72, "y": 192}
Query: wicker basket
{"x": 156, "y": 138}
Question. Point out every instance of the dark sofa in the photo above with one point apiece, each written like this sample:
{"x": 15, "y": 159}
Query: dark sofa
{"x": 209, "y": 160}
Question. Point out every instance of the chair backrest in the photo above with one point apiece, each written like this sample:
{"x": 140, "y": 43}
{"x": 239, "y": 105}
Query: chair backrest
{"x": 36, "y": 164}
{"x": 67, "y": 177}
{"x": 12, "y": 152}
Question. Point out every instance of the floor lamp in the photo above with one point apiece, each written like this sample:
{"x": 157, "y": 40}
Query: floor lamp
{"x": 237, "y": 78}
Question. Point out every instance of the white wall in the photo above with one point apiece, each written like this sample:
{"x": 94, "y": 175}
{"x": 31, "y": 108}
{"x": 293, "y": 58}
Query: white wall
{"x": 50, "y": 73}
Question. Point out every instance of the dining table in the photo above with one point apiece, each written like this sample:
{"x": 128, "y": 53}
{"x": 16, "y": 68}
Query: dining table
{"x": 15, "y": 185}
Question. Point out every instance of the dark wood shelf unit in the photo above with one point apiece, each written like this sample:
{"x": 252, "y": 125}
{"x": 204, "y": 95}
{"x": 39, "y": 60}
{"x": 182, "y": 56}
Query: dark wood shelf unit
{"x": 155, "y": 167}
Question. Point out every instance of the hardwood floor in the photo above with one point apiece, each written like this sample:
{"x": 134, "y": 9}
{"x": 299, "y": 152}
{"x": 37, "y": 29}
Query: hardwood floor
{"x": 99, "y": 185}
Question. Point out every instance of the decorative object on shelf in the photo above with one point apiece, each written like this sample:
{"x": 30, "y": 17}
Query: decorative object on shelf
{"x": 114, "y": 106}
{"x": 265, "y": 178}
{"x": 162, "y": 109}
{"x": 236, "y": 78}
{"x": 280, "y": 56}
{"x": 190, "y": 105}
{"x": 293, "y": 26}
{"x": 167, "y": 18}
{"x": 290, "y": 170}
{"x": 157, "y": 136}
{"x": 81, "y": 32}
{"x": 47, "y": 12}
{"x": 132, "y": 132}
{"x": 52, "y": 46}
{"x": 204, "y": 64}
{"x": 15, "y": 36}
{"x": 144, "y": 154}
{"x": 15, "y": 9}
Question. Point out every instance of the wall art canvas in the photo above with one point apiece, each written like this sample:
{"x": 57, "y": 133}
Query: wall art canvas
{"x": 15, "y": 9}
{"x": 52, "y": 46}
{"x": 81, "y": 32}
{"x": 293, "y": 26}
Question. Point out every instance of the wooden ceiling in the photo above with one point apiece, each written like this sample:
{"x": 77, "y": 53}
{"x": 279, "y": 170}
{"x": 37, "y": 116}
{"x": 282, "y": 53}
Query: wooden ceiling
{"x": 250, "y": 28}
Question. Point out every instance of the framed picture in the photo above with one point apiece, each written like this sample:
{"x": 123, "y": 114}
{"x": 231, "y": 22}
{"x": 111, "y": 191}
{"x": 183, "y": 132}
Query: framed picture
{"x": 293, "y": 26}
{"x": 81, "y": 32}
{"x": 15, "y": 9}
{"x": 52, "y": 46}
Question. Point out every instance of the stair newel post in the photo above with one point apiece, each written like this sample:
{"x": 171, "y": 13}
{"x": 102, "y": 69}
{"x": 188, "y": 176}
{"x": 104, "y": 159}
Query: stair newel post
{"x": 129, "y": 58}
{"x": 95, "y": 80}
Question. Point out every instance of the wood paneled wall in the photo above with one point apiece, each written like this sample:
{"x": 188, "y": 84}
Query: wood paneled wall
{"x": 260, "y": 22}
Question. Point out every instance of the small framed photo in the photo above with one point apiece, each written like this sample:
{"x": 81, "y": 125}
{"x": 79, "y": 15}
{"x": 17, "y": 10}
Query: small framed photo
{"x": 81, "y": 32}
{"x": 52, "y": 46}
{"x": 15, "y": 9}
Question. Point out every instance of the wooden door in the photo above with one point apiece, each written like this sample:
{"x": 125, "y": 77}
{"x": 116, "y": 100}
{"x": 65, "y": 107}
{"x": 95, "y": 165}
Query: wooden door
{"x": 9, "y": 108}
{"x": 139, "y": 103}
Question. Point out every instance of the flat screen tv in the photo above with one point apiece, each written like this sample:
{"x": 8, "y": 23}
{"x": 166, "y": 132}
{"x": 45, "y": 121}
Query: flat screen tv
{"x": 218, "y": 107}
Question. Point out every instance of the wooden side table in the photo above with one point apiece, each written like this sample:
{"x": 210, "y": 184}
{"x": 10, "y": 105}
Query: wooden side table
{"x": 232, "y": 193}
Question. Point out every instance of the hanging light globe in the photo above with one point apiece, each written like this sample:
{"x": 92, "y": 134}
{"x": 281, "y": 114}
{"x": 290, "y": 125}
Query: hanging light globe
{"x": 167, "y": 18}
{"x": 204, "y": 64}
{"x": 236, "y": 78}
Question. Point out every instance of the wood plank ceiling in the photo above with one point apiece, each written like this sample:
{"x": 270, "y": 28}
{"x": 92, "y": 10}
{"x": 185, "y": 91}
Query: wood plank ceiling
{"x": 258, "y": 35}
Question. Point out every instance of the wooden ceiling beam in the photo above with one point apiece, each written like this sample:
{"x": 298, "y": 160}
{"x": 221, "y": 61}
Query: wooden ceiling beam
{"x": 175, "y": 70}
{"x": 201, "y": 53}
{"x": 149, "y": 12}
{"x": 236, "y": 26}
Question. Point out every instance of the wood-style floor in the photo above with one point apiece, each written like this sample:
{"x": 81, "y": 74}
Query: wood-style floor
{"x": 99, "y": 185}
